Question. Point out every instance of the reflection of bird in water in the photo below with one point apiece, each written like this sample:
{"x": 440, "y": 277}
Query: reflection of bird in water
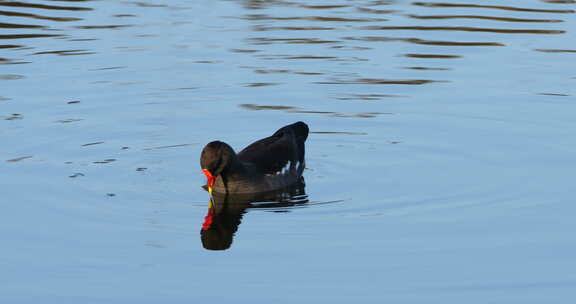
{"x": 225, "y": 212}
{"x": 268, "y": 164}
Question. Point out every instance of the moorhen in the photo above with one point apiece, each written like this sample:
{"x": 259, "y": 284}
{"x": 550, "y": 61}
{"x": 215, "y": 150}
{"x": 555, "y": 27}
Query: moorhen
{"x": 268, "y": 164}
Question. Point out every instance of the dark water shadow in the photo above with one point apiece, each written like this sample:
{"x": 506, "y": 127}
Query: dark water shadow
{"x": 225, "y": 212}
{"x": 423, "y": 41}
{"x": 481, "y": 17}
{"x": 262, "y": 17}
{"x": 463, "y": 29}
{"x": 555, "y": 50}
{"x": 37, "y": 16}
{"x": 44, "y": 6}
{"x": 289, "y": 109}
{"x": 496, "y": 7}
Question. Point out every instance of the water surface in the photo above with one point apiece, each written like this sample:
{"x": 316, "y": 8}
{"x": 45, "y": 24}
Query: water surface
{"x": 439, "y": 165}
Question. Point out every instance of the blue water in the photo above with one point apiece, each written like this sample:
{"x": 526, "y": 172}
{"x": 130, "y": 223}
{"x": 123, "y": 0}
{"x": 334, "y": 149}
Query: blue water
{"x": 439, "y": 167}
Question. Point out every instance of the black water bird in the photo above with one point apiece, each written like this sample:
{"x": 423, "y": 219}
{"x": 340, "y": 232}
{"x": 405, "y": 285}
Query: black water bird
{"x": 268, "y": 164}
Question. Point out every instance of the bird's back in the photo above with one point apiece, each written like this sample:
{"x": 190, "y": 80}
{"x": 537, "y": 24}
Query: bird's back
{"x": 281, "y": 151}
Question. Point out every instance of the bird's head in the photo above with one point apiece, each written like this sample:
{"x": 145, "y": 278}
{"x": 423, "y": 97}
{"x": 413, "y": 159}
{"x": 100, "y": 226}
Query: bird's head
{"x": 215, "y": 159}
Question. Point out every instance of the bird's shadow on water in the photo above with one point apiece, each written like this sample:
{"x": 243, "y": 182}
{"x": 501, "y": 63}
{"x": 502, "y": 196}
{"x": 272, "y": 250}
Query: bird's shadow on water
{"x": 225, "y": 212}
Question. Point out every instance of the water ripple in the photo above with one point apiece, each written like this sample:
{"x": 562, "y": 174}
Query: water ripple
{"x": 322, "y": 6}
{"x": 312, "y": 18}
{"x": 375, "y": 11}
{"x": 65, "y": 52}
{"x": 260, "y": 28}
{"x": 560, "y": 1}
{"x": 494, "y": 18}
{"x": 290, "y": 109}
{"x": 11, "y": 77}
{"x": 432, "y": 56}
{"x": 310, "y": 57}
{"x": 378, "y": 81}
{"x": 556, "y": 50}
{"x": 26, "y": 36}
{"x": 424, "y": 42}
{"x": 498, "y": 7}
{"x": 92, "y": 27}
{"x": 20, "y": 26}
{"x": 10, "y": 46}
{"x": 35, "y": 16}
{"x": 44, "y": 6}
{"x": 265, "y": 40}
{"x": 464, "y": 29}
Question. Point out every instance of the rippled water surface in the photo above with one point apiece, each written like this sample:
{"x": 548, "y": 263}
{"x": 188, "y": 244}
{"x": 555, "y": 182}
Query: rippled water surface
{"x": 439, "y": 164}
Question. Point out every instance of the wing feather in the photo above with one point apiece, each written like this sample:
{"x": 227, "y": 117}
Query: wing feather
{"x": 284, "y": 148}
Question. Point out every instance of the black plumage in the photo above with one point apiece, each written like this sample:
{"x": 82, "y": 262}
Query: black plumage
{"x": 268, "y": 164}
